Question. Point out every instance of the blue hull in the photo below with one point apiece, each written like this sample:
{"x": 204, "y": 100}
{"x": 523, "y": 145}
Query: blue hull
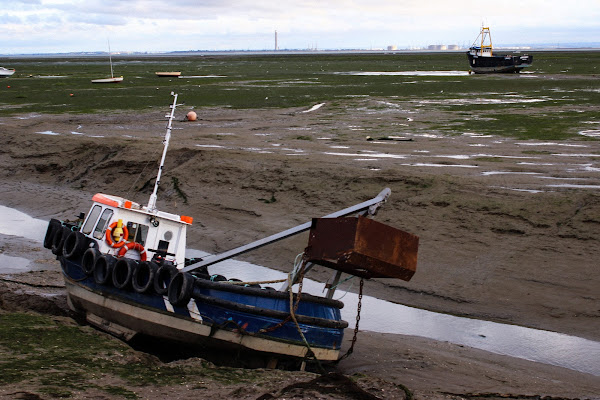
{"x": 213, "y": 316}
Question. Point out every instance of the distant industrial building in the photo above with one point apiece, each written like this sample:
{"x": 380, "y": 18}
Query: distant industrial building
{"x": 431, "y": 47}
{"x": 438, "y": 47}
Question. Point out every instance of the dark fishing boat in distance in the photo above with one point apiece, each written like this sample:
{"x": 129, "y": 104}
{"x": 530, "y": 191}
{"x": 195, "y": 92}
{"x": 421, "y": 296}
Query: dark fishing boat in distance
{"x": 126, "y": 271}
{"x": 482, "y": 59}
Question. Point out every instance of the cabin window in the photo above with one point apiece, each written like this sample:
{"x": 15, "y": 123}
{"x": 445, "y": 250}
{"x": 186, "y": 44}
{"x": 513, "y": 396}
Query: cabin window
{"x": 91, "y": 221}
{"x": 103, "y": 223}
{"x": 137, "y": 232}
{"x": 163, "y": 248}
{"x": 168, "y": 236}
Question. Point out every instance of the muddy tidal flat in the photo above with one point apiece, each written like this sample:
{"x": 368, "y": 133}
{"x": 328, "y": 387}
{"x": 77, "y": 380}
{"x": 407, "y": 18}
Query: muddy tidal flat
{"x": 508, "y": 223}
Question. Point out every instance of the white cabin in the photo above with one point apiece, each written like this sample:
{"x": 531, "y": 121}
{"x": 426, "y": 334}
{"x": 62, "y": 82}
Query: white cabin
{"x": 160, "y": 233}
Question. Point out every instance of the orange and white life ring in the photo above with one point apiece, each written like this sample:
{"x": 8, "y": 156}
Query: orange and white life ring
{"x": 109, "y": 238}
{"x": 133, "y": 246}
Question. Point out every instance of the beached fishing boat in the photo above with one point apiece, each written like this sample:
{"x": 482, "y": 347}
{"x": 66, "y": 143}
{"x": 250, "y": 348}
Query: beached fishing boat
{"x": 6, "y": 72}
{"x": 482, "y": 59}
{"x": 125, "y": 269}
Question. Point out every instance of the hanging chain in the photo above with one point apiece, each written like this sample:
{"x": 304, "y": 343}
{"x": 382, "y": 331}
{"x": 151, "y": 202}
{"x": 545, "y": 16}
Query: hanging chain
{"x": 358, "y": 308}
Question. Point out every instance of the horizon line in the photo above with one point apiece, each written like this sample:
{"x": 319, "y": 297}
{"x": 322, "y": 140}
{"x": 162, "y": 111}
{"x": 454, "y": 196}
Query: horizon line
{"x": 539, "y": 47}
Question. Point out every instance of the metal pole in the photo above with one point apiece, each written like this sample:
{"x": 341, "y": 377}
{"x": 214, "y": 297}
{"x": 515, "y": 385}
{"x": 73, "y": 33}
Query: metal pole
{"x": 370, "y": 205}
{"x": 110, "y": 59}
{"x": 152, "y": 201}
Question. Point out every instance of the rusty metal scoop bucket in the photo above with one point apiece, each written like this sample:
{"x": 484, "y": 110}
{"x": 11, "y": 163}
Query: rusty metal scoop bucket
{"x": 362, "y": 247}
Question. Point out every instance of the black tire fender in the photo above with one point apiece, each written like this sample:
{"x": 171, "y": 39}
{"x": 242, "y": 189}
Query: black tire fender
{"x": 53, "y": 226}
{"x": 59, "y": 240}
{"x": 103, "y": 269}
{"x": 88, "y": 261}
{"x": 74, "y": 245}
{"x": 142, "y": 279}
{"x": 122, "y": 272}
{"x": 162, "y": 278}
{"x": 180, "y": 289}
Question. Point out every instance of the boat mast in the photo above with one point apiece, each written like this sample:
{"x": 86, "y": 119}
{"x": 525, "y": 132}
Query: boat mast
{"x": 485, "y": 32}
{"x": 152, "y": 202}
{"x": 110, "y": 59}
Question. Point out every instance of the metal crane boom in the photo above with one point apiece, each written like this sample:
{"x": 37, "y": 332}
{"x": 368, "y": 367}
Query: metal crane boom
{"x": 368, "y": 207}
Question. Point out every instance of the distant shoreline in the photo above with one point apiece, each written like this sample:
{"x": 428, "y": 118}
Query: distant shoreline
{"x": 592, "y": 47}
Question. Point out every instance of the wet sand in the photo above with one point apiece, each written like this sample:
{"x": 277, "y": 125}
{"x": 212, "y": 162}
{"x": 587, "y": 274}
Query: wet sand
{"x": 508, "y": 229}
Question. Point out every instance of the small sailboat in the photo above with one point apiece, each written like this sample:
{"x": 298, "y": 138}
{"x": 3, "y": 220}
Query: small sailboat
{"x": 6, "y": 72}
{"x": 113, "y": 78}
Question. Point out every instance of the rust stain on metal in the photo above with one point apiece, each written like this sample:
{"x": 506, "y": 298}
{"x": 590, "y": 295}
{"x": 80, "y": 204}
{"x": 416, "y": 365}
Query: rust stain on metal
{"x": 363, "y": 247}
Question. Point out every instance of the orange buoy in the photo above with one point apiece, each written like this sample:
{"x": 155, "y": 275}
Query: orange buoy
{"x": 191, "y": 116}
{"x": 133, "y": 246}
{"x": 123, "y": 235}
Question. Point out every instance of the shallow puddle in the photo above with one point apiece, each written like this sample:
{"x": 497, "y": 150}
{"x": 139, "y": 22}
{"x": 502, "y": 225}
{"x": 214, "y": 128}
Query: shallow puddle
{"x": 215, "y": 146}
{"x": 574, "y": 186}
{"x": 373, "y": 155}
{"x": 314, "y": 108}
{"x": 411, "y": 73}
{"x": 576, "y": 155}
{"x": 550, "y": 144}
{"x": 470, "y": 101}
{"x": 520, "y": 190}
{"x": 536, "y": 164}
{"x": 585, "y": 168}
{"x": 591, "y": 133}
{"x": 440, "y": 165}
{"x": 13, "y": 265}
{"x": 201, "y": 76}
{"x": 488, "y": 173}
{"x": 17, "y": 223}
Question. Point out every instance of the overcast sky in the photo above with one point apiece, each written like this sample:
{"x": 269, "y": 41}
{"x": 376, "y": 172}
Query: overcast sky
{"x": 54, "y": 26}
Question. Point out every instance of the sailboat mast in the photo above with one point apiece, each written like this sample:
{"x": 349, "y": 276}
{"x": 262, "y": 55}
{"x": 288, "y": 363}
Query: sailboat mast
{"x": 110, "y": 60}
{"x": 153, "y": 196}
